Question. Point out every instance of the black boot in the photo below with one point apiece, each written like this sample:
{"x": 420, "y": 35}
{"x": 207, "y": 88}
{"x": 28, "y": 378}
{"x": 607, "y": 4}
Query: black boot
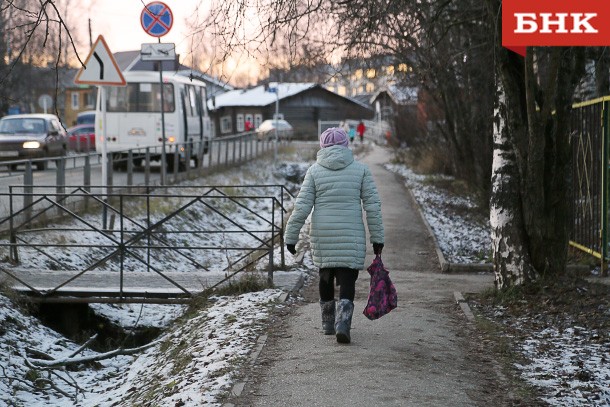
{"x": 343, "y": 320}
{"x": 328, "y": 316}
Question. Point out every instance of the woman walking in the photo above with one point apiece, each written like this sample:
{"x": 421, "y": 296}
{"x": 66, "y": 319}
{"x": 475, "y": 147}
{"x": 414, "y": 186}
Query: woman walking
{"x": 337, "y": 188}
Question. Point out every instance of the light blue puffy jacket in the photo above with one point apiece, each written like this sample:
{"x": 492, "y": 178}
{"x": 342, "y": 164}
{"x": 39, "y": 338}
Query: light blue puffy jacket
{"x": 337, "y": 188}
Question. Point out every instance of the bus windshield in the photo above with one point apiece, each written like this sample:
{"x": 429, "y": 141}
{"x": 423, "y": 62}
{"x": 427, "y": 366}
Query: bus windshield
{"x": 140, "y": 97}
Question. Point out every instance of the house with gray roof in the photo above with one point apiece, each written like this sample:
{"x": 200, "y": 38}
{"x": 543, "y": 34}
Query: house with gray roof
{"x": 301, "y": 104}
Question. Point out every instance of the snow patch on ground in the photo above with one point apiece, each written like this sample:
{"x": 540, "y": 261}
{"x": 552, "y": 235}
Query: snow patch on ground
{"x": 571, "y": 366}
{"x": 460, "y": 238}
{"x": 195, "y": 361}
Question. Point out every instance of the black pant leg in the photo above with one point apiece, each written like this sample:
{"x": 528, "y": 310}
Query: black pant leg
{"x": 327, "y": 284}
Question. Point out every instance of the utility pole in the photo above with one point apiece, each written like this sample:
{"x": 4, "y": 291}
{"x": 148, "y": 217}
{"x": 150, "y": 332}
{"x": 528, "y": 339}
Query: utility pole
{"x": 274, "y": 87}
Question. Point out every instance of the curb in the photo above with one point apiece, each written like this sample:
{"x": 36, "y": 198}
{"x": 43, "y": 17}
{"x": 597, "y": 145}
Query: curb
{"x": 459, "y": 299}
{"x": 466, "y": 268}
{"x": 439, "y": 254}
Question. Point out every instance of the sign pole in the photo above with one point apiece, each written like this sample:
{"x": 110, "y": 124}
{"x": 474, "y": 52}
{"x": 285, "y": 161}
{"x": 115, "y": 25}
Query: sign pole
{"x": 163, "y": 155}
{"x": 102, "y": 90}
{"x": 157, "y": 19}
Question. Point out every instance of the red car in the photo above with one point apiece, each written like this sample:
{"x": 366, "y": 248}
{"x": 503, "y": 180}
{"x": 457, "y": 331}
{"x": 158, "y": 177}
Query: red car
{"x": 81, "y": 137}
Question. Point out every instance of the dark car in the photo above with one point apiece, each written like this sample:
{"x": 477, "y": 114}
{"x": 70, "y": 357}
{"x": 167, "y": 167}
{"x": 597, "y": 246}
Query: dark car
{"x": 82, "y": 137}
{"x": 26, "y": 136}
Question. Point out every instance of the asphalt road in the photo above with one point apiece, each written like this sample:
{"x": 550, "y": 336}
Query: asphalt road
{"x": 418, "y": 355}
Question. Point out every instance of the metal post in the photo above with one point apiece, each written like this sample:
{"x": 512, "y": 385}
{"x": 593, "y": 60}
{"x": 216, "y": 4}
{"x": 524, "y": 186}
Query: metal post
{"x": 28, "y": 189}
{"x": 604, "y": 227}
{"x": 122, "y": 260}
{"x": 219, "y": 148}
{"x": 189, "y": 149}
{"x": 239, "y": 156}
{"x": 282, "y": 254}
{"x": 13, "y": 253}
{"x": 148, "y": 229}
{"x": 60, "y": 181}
{"x": 210, "y": 155}
{"x": 104, "y": 140}
{"x": 176, "y": 163}
{"x": 110, "y": 166}
{"x": 272, "y": 244}
{"x": 226, "y": 152}
{"x": 130, "y": 168}
{"x": 105, "y": 161}
{"x": 147, "y": 167}
{"x": 163, "y": 160}
{"x": 87, "y": 173}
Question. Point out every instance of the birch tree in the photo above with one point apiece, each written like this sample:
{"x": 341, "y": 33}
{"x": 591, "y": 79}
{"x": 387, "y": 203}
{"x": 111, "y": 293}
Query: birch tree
{"x": 529, "y": 204}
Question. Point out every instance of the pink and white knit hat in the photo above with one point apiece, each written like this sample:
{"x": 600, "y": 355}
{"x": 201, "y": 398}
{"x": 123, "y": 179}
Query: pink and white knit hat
{"x": 335, "y": 136}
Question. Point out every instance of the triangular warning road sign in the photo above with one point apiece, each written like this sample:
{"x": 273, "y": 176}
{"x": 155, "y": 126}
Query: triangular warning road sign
{"x": 100, "y": 67}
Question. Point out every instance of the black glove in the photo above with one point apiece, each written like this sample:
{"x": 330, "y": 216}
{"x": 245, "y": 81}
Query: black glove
{"x": 377, "y": 248}
{"x": 291, "y": 248}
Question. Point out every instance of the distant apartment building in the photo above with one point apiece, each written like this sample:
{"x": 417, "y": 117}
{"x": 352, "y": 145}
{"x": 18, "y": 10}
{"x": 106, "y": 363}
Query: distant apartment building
{"x": 355, "y": 78}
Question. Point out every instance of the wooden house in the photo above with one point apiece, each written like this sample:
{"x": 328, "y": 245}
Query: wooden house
{"x": 301, "y": 104}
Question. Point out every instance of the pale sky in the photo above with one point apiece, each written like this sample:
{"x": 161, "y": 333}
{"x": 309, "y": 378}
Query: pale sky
{"x": 119, "y": 22}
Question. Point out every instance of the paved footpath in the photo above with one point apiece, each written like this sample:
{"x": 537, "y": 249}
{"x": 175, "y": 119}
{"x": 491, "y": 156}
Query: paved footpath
{"x": 418, "y": 355}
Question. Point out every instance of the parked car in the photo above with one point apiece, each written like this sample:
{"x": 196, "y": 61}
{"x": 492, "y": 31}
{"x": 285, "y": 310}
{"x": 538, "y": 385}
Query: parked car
{"x": 266, "y": 130}
{"x": 86, "y": 117}
{"x": 26, "y": 136}
{"x": 81, "y": 137}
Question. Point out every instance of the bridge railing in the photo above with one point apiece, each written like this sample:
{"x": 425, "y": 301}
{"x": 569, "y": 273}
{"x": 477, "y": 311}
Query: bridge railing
{"x": 163, "y": 244}
{"x": 135, "y": 167}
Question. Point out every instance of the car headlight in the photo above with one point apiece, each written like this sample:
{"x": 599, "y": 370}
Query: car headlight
{"x": 31, "y": 144}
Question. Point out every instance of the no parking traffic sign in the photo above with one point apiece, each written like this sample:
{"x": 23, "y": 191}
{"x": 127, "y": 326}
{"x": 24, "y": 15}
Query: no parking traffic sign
{"x": 156, "y": 19}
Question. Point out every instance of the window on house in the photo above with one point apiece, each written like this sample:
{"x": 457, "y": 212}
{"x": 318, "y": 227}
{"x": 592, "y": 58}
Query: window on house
{"x": 258, "y": 119}
{"x": 370, "y": 87}
{"x": 240, "y": 122}
{"x": 89, "y": 100}
{"x": 225, "y": 124}
{"x": 75, "y": 101}
{"x": 371, "y": 73}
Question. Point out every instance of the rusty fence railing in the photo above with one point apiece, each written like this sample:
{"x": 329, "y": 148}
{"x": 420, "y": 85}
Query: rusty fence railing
{"x": 590, "y": 131}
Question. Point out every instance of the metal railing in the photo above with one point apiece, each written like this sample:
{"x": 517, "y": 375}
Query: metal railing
{"x": 590, "y": 129}
{"x": 135, "y": 167}
{"x": 120, "y": 245}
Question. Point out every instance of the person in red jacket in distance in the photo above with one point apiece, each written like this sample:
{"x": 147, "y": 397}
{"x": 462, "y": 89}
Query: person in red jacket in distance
{"x": 360, "y": 130}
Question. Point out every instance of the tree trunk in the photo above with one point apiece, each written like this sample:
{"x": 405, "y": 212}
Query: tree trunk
{"x": 512, "y": 263}
{"x": 530, "y": 176}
